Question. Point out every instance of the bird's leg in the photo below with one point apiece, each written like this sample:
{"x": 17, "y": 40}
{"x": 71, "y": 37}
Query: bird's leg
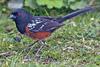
{"x": 42, "y": 43}
{"x": 30, "y": 46}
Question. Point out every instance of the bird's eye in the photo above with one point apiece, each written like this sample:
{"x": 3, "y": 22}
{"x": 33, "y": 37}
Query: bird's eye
{"x": 15, "y": 13}
{"x": 19, "y": 14}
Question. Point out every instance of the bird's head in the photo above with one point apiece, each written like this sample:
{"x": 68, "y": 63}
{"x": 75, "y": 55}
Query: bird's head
{"x": 19, "y": 15}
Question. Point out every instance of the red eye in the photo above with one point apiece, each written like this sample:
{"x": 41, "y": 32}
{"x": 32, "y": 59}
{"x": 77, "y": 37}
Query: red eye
{"x": 19, "y": 14}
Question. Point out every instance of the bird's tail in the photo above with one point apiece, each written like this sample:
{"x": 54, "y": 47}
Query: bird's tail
{"x": 73, "y": 14}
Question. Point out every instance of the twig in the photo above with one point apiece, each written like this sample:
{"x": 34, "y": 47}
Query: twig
{"x": 92, "y": 2}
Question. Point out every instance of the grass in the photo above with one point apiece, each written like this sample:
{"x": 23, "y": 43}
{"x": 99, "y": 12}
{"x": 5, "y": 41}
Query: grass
{"x": 77, "y": 44}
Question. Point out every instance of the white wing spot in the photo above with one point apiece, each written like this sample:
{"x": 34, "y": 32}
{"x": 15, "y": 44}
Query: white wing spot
{"x": 41, "y": 26}
{"x": 37, "y": 21}
{"x": 31, "y": 26}
{"x": 33, "y": 21}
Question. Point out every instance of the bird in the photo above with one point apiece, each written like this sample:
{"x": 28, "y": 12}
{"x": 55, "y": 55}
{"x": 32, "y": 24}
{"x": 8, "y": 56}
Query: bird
{"x": 41, "y": 27}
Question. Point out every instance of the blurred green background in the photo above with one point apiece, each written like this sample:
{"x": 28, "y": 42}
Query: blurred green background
{"x": 77, "y": 44}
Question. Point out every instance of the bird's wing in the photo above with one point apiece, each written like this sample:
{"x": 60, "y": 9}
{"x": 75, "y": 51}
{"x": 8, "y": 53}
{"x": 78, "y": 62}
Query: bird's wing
{"x": 42, "y": 24}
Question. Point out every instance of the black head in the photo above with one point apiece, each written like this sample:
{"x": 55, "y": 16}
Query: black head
{"x": 19, "y": 15}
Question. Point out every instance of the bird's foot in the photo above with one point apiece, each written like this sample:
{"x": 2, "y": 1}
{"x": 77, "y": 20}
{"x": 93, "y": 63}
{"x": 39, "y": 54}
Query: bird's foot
{"x": 29, "y": 47}
{"x": 38, "y": 51}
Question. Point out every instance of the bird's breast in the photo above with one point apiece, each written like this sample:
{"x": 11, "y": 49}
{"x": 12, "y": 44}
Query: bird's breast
{"x": 37, "y": 35}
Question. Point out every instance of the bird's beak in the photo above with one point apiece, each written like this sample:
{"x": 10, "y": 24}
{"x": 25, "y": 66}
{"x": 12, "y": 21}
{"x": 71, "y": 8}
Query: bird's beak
{"x": 12, "y": 16}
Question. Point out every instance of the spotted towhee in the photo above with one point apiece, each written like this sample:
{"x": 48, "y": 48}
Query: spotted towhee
{"x": 41, "y": 27}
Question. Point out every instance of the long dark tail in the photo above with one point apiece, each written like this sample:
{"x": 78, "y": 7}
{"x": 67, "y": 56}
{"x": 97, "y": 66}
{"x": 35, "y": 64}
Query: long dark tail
{"x": 73, "y": 14}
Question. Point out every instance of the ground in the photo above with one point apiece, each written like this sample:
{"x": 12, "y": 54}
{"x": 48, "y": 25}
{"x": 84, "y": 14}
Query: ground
{"x": 77, "y": 44}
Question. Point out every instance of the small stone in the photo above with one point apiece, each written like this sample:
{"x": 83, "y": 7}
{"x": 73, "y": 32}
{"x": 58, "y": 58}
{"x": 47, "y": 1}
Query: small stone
{"x": 92, "y": 19}
{"x": 88, "y": 47}
{"x": 26, "y": 59}
{"x": 98, "y": 53}
{"x": 18, "y": 39}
